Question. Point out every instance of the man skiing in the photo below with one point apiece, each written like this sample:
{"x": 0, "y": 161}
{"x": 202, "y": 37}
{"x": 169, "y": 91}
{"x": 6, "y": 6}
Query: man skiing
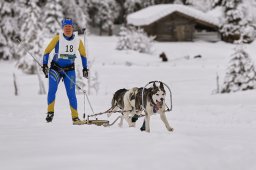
{"x": 66, "y": 44}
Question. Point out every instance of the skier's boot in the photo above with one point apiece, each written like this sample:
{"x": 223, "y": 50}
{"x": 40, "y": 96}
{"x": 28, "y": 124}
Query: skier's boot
{"x": 49, "y": 116}
{"x": 77, "y": 121}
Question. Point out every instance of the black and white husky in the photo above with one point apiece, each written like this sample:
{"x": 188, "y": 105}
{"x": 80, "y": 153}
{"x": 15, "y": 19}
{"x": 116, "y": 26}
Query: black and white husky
{"x": 130, "y": 102}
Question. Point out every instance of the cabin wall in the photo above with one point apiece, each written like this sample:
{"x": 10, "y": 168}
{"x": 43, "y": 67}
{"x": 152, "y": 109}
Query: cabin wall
{"x": 174, "y": 27}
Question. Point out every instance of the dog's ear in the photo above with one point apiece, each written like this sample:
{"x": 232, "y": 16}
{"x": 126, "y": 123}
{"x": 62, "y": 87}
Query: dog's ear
{"x": 154, "y": 85}
{"x": 161, "y": 86}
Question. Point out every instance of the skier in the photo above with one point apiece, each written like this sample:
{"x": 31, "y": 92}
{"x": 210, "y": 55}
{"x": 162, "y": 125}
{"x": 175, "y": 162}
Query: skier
{"x": 66, "y": 44}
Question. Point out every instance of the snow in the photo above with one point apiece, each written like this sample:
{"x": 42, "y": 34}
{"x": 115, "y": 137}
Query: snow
{"x": 217, "y": 12}
{"x": 151, "y": 14}
{"x": 250, "y": 7}
{"x": 212, "y": 131}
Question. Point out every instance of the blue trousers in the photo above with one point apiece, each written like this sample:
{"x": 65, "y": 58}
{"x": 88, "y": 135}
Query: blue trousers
{"x": 54, "y": 79}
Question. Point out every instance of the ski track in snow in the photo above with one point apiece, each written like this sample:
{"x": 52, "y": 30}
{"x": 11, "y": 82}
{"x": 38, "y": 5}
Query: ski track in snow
{"x": 212, "y": 131}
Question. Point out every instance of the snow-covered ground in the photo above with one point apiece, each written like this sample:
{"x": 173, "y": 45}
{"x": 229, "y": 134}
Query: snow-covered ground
{"x": 212, "y": 131}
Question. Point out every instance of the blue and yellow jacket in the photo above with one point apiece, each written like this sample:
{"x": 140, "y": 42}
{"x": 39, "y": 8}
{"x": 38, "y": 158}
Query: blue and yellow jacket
{"x": 54, "y": 44}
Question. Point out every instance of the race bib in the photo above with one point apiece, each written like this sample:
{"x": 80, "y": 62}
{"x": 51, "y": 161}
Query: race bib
{"x": 68, "y": 48}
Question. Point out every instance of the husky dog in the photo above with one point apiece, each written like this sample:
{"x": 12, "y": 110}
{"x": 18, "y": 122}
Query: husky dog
{"x": 130, "y": 101}
{"x": 154, "y": 101}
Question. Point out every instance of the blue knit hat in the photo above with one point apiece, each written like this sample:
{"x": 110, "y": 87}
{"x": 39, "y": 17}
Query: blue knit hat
{"x": 67, "y": 21}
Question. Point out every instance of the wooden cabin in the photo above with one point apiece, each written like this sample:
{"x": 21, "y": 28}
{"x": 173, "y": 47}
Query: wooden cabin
{"x": 175, "y": 23}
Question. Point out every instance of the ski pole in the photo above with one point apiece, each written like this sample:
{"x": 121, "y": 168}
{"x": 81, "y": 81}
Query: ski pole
{"x": 27, "y": 51}
{"x": 30, "y": 54}
{"x": 87, "y": 54}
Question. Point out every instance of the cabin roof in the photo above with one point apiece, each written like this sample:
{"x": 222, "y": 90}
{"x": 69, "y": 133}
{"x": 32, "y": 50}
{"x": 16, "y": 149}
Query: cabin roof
{"x": 152, "y": 14}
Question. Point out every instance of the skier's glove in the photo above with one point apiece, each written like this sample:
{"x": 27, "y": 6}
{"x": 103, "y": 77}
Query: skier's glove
{"x": 85, "y": 73}
{"x": 45, "y": 70}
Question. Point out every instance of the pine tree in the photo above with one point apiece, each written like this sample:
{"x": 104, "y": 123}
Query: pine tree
{"x": 236, "y": 22}
{"x": 216, "y": 3}
{"x": 132, "y": 6}
{"x": 203, "y": 5}
{"x": 8, "y": 29}
{"x": 124, "y": 39}
{"x": 32, "y": 38}
{"x": 77, "y": 10}
{"x": 53, "y": 15}
{"x": 102, "y": 14}
{"x": 136, "y": 5}
{"x": 128, "y": 6}
{"x": 241, "y": 73}
{"x": 135, "y": 39}
{"x": 146, "y": 3}
{"x": 31, "y": 35}
{"x": 113, "y": 12}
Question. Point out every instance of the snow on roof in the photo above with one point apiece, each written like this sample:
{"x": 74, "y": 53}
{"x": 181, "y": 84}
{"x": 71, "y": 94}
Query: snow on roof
{"x": 151, "y": 14}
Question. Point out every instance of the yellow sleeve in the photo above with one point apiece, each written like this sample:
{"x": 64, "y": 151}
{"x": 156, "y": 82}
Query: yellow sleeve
{"x": 51, "y": 45}
{"x": 81, "y": 49}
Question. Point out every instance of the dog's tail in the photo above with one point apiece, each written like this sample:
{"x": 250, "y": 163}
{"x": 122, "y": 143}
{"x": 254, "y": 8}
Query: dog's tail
{"x": 113, "y": 103}
{"x": 116, "y": 99}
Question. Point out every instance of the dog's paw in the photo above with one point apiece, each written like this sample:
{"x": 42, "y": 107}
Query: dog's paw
{"x": 170, "y": 129}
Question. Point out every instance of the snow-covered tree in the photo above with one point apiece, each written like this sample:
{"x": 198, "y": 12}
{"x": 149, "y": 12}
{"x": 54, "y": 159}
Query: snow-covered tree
{"x": 32, "y": 38}
{"x": 236, "y": 23}
{"x": 121, "y": 13}
{"x": 114, "y": 11}
{"x": 216, "y": 3}
{"x": 8, "y": 29}
{"x": 53, "y": 15}
{"x": 203, "y": 5}
{"x": 31, "y": 35}
{"x": 102, "y": 14}
{"x": 79, "y": 78}
{"x": 132, "y": 6}
{"x": 135, "y": 39}
{"x": 240, "y": 74}
{"x": 128, "y": 6}
{"x": 104, "y": 17}
{"x": 77, "y": 10}
{"x": 136, "y": 5}
{"x": 123, "y": 40}
{"x": 93, "y": 83}
{"x": 146, "y": 3}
